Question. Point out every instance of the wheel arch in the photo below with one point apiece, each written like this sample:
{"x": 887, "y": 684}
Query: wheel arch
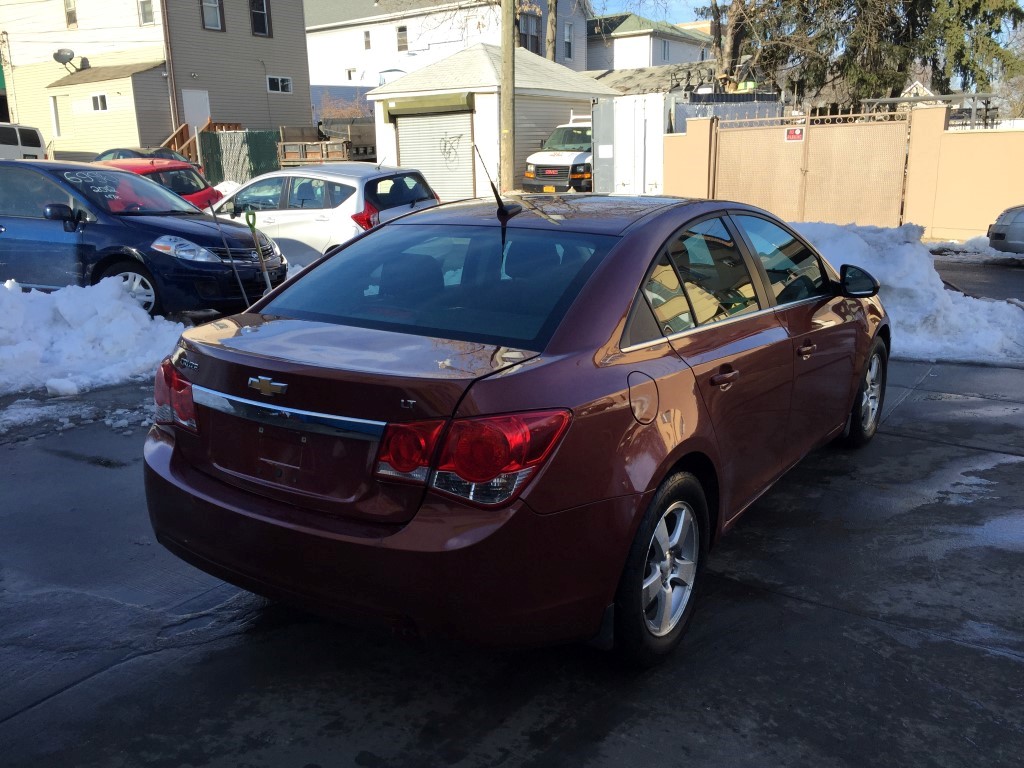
{"x": 701, "y": 466}
{"x": 111, "y": 257}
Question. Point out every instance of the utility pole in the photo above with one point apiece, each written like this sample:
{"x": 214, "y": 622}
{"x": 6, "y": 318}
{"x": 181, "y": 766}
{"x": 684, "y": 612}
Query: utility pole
{"x": 507, "y": 156}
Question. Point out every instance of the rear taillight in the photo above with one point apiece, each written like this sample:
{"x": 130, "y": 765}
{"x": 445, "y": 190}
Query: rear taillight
{"x": 368, "y": 217}
{"x": 406, "y": 450}
{"x": 487, "y": 460}
{"x": 173, "y": 395}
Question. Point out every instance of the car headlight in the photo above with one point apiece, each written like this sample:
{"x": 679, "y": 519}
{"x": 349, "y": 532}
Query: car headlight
{"x": 584, "y": 168}
{"x": 531, "y": 168}
{"x": 180, "y": 248}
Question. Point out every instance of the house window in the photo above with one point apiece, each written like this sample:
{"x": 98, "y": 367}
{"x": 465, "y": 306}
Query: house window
{"x": 213, "y": 14}
{"x": 259, "y": 16}
{"x": 403, "y": 39}
{"x": 99, "y": 102}
{"x": 664, "y": 50}
{"x": 366, "y": 40}
{"x": 145, "y": 12}
{"x": 567, "y": 38}
{"x": 70, "y": 14}
{"x": 350, "y": 74}
{"x": 529, "y": 32}
{"x": 279, "y": 84}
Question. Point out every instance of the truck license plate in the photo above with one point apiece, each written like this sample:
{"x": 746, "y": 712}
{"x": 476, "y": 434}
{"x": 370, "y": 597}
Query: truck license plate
{"x": 549, "y": 189}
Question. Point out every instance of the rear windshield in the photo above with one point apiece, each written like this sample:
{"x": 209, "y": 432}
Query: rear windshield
{"x": 30, "y": 137}
{"x": 454, "y": 282}
{"x": 400, "y": 189}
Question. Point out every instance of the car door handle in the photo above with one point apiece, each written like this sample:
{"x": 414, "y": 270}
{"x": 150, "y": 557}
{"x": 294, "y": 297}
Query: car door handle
{"x": 269, "y": 219}
{"x": 806, "y": 349}
{"x": 323, "y": 218}
{"x": 724, "y": 379}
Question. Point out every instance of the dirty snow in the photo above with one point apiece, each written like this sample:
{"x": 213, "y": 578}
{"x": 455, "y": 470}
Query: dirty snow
{"x": 55, "y": 346}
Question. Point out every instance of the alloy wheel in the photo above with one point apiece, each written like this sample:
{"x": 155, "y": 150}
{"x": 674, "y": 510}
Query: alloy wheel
{"x": 139, "y": 288}
{"x": 671, "y": 568}
{"x": 871, "y": 398}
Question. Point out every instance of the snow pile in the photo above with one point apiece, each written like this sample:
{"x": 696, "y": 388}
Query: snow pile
{"x": 77, "y": 338}
{"x": 973, "y": 251}
{"x": 928, "y": 322}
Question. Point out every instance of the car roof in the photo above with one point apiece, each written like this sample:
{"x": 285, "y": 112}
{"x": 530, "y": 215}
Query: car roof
{"x": 348, "y": 169}
{"x": 53, "y": 166}
{"x": 145, "y": 165}
{"x": 599, "y": 214}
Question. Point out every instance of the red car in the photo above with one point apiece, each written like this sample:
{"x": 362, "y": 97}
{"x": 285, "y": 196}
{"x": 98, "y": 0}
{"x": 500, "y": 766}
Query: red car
{"x": 180, "y": 177}
{"x": 523, "y": 425}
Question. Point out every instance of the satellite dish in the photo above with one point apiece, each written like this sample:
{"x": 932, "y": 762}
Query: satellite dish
{"x": 63, "y": 55}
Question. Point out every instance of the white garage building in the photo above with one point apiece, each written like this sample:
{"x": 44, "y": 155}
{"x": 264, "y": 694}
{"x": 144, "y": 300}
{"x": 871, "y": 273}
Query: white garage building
{"x": 430, "y": 118}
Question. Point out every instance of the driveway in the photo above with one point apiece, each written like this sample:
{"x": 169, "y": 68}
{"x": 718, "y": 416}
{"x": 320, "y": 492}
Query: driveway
{"x": 868, "y": 611}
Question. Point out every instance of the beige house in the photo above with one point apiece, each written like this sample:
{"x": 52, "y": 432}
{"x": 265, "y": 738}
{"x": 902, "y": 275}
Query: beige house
{"x": 97, "y": 74}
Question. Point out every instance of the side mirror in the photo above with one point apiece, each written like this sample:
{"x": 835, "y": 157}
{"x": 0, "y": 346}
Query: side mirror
{"x": 857, "y": 283}
{"x": 62, "y": 212}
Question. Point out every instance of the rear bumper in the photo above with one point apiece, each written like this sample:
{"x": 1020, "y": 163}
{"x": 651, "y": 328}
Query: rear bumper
{"x": 508, "y": 577}
{"x": 1009, "y": 239}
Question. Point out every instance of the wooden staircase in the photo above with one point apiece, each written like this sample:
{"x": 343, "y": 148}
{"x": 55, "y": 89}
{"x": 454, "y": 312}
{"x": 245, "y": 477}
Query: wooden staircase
{"x": 180, "y": 141}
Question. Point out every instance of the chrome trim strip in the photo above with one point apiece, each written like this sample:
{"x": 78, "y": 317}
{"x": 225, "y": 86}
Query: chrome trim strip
{"x": 697, "y": 329}
{"x": 289, "y": 418}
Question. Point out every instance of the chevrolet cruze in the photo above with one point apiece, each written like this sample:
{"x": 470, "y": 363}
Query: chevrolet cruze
{"x": 517, "y": 424}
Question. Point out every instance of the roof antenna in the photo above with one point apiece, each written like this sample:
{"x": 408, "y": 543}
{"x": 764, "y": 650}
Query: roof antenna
{"x": 505, "y": 210}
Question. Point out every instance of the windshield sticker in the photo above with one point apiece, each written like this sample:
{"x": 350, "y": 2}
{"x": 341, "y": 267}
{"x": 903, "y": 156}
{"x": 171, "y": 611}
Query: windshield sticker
{"x": 100, "y": 183}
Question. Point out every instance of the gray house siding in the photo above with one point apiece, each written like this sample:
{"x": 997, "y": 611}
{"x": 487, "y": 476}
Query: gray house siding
{"x": 600, "y": 54}
{"x": 152, "y": 107}
{"x": 233, "y": 65}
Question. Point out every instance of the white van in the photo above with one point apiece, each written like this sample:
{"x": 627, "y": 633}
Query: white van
{"x": 21, "y": 142}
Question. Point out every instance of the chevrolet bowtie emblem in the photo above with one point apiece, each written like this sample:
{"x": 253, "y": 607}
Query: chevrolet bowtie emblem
{"x": 267, "y": 386}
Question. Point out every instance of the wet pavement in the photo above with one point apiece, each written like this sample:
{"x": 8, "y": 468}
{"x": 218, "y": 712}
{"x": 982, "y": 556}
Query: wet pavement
{"x": 868, "y": 611}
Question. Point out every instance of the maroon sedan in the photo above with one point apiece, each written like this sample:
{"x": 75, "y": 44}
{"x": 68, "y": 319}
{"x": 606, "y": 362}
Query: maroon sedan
{"x": 517, "y": 426}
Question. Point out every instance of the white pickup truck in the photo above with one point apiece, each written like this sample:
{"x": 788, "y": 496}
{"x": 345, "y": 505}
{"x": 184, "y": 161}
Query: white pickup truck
{"x": 565, "y": 161}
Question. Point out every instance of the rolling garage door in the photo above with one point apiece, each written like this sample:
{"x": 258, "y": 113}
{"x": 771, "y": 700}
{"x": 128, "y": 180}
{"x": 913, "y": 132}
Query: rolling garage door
{"x": 441, "y": 147}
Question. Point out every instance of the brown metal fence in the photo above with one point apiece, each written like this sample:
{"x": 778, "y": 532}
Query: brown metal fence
{"x": 848, "y": 168}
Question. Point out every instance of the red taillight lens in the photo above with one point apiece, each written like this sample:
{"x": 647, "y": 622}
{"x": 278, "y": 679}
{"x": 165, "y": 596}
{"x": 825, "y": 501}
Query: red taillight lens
{"x": 487, "y": 460}
{"x": 172, "y": 393}
{"x": 368, "y": 217}
{"x": 406, "y": 450}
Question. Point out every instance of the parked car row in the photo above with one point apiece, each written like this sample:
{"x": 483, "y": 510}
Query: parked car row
{"x": 75, "y": 224}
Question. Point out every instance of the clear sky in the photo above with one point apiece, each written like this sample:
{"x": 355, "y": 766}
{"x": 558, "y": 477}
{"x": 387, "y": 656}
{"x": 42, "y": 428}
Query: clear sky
{"x": 659, "y": 10}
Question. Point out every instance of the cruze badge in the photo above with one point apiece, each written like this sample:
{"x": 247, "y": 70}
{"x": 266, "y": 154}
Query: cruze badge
{"x": 267, "y": 386}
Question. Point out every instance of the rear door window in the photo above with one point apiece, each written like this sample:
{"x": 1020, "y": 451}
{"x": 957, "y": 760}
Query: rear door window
{"x": 457, "y": 282}
{"x": 714, "y": 275}
{"x": 8, "y": 135}
{"x": 307, "y": 193}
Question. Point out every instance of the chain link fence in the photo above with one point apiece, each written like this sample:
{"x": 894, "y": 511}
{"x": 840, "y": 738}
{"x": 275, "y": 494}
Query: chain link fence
{"x": 238, "y": 155}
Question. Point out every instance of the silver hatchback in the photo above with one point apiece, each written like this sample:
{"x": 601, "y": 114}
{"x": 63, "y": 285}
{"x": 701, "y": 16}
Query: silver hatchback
{"x": 309, "y": 209}
{"x": 1007, "y": 234}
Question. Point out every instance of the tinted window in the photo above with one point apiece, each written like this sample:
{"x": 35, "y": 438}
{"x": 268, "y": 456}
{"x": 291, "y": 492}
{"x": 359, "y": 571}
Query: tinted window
{"x": 339, "y": 192}
{"x": 27, "y": 193}
{"x": 714, "y": 275}
{"x": 30, "y": 137}
{"x": 793, "y": 269}
{"x": 8, "y": 135}
{"x": 454, "y": 282}
{"x": 403, "y": 189}
{"x": 180, "y": 182}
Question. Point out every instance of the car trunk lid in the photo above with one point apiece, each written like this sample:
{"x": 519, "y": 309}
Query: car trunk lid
{"x": 294, "y": 410}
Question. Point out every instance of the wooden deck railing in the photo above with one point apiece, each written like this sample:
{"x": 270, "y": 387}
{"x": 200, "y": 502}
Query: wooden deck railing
{"x": 180, "y": 141}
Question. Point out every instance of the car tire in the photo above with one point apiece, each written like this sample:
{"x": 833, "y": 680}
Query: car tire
{"x": 658, "y": 588}
{"x": 867, "y": 405}
{"x": 139, "y": 283}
